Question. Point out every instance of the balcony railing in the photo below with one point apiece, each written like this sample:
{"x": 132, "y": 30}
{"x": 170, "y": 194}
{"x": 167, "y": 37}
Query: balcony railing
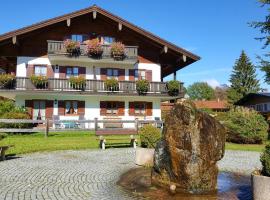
{"x": 91, "y": 86}
{"x": 57, "y": 48}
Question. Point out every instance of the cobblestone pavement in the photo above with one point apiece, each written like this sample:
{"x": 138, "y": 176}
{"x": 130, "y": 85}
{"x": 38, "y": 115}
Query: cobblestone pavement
{"x": 89, "y": 174}
{"x": 85, "y": 174}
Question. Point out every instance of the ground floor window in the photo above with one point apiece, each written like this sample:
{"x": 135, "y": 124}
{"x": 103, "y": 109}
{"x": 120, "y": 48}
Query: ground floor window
{"x": 139, "y": 108}
{"x": 39, "y": 110}
{"x": 112, "y": 108}
{"x": 71, "y": 107}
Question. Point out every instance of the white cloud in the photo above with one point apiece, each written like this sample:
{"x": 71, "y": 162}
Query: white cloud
{"x": 212, "y": 82}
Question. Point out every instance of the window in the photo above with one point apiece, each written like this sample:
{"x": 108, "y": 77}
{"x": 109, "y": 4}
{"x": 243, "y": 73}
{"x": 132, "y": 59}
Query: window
{"x": 71, "y": 107}
{"x": 79, "y": 38}
{"x": 265, "y": 107}
{"x": 112, "y": 73}
{"x": 39, "y": 110}
{"x": 112, "y": 108}
{"x": 259, "y": 107}
{"x": 72, "y": 71}
{"x": 140, "y": 108}
{"x": 140, "y": 74}
{"x": 107, "y": 40}
{"x": 40, "y": 70}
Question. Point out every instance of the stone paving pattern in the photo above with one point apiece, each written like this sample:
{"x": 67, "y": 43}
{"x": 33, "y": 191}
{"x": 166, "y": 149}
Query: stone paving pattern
{"x": 85, "y": 174}
{"x": 78, "y": 175}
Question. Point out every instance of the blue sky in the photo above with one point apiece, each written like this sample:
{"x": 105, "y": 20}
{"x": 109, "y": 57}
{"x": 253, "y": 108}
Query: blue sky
{"x": 215, "y": 30}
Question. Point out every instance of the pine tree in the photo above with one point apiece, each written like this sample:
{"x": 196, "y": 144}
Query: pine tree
{"x": 243, "y": 79}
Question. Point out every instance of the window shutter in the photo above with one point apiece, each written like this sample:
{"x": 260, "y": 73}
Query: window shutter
{"x": 82, "y": 71}
{"x": 49, "y": 109}
{"x": 103, "y": 107}
{"x": 131, "y": 74}
{"x": 131, "y": 110}
{"x": 149, "y": 108}
{"x": 121, "y": 108}
{"x": 121, "y": 74}
{"x": 29, "y": 70}
{"x": 149, "y": 75}
{"x": 103, "y": 74}
{"x": 50, "y": 72}
{"x": 29, "y": 106}
{"x": 81, "y": 107}
{"x": 61, "y": 107}
{"x": 62, "y": 72}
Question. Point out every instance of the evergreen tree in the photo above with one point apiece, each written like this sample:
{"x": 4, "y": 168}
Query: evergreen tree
{"x": 264, "y": 27}
{"x": 243, "y": 79}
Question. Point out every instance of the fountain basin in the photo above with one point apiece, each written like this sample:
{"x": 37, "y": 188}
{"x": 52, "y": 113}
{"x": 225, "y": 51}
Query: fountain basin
{"x": 144, "y": 157}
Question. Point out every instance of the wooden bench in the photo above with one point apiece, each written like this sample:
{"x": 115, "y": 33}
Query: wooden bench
{"x": 113, "y": 132}
{"x": 3, "y": 150}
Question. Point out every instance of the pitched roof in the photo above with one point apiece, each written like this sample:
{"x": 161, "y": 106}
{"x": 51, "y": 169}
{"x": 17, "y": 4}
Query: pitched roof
{"x": 211, "y": 104}
{"x": 252, "y": 95}
{"x": 99, "y": 10}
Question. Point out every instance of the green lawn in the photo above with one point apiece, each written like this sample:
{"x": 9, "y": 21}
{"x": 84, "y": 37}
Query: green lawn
{"x": 56, "y": 141}
{"x": 79, "y": 140}
{"x": 245, "y": 147}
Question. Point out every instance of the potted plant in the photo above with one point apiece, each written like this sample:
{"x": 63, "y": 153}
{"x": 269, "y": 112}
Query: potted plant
{"x": 72, "y": 47}
{"x": 173, "y": 87}
{"x": 40, "y": 82}
{"x": 261, "y": 179}
{"x": 94, "y": 48}
{"x": 77, "y": 82}
{"x": 111, "y": 85}
{"x": 118, "y": 50}
{"x": 6, "y": 80}
{"x": 142, "y": 87}
{"x": 149, "y": 136}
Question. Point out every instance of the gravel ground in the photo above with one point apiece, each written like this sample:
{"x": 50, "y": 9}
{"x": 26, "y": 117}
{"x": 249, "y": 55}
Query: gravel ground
{"x": 240, "y": 161}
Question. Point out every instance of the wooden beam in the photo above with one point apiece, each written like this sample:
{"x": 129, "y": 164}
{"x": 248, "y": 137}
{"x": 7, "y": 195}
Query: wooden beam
{"x": 120, "y": 26}
{"x": 94, "y": 14}
{"x": 184, "y": 58}
{"x": 164, "y": 50}
{"x": 174, "y": 75}
{"x": 68, "y": 22}
{"x": 14, "y": 39}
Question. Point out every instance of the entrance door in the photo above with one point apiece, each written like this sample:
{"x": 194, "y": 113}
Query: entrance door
{"x": 39, "y": 110}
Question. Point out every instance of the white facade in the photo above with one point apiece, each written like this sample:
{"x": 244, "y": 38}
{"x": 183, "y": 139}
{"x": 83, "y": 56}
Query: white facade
{"x": 92, "y": 103}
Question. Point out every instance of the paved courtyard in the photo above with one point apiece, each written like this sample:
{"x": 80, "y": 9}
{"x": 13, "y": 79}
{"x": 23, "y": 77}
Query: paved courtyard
{"x": 89, "y": 174}
{"x": 84, "y": 174}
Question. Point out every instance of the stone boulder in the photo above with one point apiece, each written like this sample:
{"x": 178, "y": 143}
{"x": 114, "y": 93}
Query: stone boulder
{"x": 187, "y": 154}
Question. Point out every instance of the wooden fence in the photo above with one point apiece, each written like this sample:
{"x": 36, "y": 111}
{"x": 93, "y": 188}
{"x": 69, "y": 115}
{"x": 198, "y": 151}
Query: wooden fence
{"x": 46, "y": 126}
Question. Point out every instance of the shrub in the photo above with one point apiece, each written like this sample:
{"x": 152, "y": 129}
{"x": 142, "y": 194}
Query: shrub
{"x": 2, "y": 136}
{"x": 111, "y": 85}
{"x": 149, "y": 136}
{"x": 72, "y": 47}
{"x": 173, "y": 87}
{"x": 142, "y": 86}
{"x": 41, "y": 82}
{"x": 6, "y": 80}
{"x": 118, "y": 50}
{"x": 94, "y": 48}
{"x": 77, "y": 82}
{"x": 15, "y": 115}
{"x": 265, "y": 160}
{"x": 244, "y": 126}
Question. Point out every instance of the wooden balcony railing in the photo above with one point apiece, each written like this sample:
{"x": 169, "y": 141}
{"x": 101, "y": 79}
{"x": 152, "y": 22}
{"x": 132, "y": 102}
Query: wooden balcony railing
{"x": 57, "y": 48}
{"x": 91, "y": 86}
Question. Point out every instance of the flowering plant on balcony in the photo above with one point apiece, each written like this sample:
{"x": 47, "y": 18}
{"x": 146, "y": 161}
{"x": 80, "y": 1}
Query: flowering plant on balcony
{"x": 111, "y": 85}
{"x": 118, "y": 50}
{"x": 41, "y": 82}
{"x": 94, "y": 48}
{"x": 142, "y": 87}
{"x": 77, "y": 82}
{"x": 72, "y": 47}
{"x": 6, "y": 80}
{"x": 173, "y": 87}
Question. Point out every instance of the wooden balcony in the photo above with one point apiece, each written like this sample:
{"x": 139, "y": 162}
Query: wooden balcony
{"x": 57, "y": 53}
{"x": 94, "y": 87}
